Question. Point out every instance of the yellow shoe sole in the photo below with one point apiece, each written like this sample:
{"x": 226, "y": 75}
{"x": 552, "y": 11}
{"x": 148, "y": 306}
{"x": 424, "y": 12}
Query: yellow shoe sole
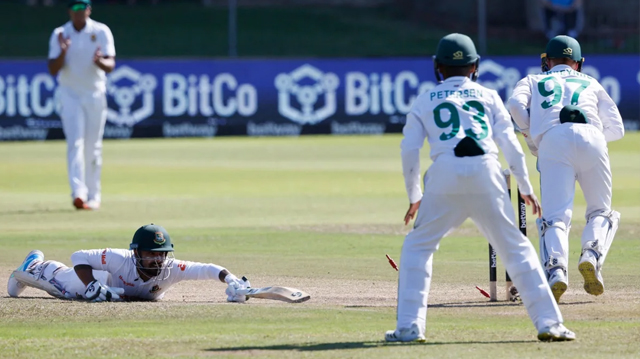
{"x": 592, "y": 284}
{"x": 558, "y": 289}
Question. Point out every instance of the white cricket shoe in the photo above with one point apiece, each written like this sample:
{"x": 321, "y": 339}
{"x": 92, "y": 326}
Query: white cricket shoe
{"x": 588, "y": 267}
{"x": 405, "y": 335}
{"x": 93, "y": 205}
{"x": 558, "y": 283}
{"x": 14, "y": 288}
{"x": 556, "y": 333}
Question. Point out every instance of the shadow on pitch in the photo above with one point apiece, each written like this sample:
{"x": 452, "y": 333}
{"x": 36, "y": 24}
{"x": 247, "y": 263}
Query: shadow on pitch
{"x": 478, "y": 304}
{"x": 354, "y": 345}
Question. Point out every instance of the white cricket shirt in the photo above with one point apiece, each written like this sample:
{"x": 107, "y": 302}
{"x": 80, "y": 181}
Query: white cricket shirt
{"x": 445, "y": 115}
{"x": 122, "y": 266}
{"x": 79, "y": 72}
{"x": 545, "y": 94}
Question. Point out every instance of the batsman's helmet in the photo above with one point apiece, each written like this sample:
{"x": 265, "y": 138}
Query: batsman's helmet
{"x": 153, "y": 238}
{"x": 456, "y": 50}
{"x": 562, "y": 46}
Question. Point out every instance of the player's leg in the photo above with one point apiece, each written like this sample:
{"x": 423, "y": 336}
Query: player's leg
{"x": 40, "y": 274}
{"x": 73, "y": 121}
{"x": 557, "y": 188}
{"x": 594, "y": 176}
{"x": 95, "y": 107}
{"x": 494, "y": 215}
{"x": 436, "y": 218}
{"x": 14, "y": 287}
{"x": 73, "y": 286}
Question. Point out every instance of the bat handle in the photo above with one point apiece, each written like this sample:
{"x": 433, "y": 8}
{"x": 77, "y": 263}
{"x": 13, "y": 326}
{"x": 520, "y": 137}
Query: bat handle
{"x": 245, "y": 279}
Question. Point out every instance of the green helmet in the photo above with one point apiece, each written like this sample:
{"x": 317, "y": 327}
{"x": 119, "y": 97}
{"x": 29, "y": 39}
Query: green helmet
{"x": 456, "y": 50}
{"x": 153, "y": 238}
{"x": 562, "y": 46}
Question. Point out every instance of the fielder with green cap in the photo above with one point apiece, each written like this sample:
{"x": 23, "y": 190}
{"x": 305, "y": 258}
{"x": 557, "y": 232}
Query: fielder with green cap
{"x": 464, "y": 124}
{"x": 567, "y": 118}
{"x": 143, "y": 272}
{"x": 81, "y": 53}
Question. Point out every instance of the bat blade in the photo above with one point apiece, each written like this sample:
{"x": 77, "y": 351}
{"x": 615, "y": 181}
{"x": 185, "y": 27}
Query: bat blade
{"x": 285, "y": 294}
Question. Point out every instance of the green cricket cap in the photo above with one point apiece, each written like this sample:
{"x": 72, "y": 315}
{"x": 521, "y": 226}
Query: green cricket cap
{"x": 77, "y": 5}
{"x": 564, "y": 46}
{"x": 152, "y": 237}
{"x": 456, "y": 50}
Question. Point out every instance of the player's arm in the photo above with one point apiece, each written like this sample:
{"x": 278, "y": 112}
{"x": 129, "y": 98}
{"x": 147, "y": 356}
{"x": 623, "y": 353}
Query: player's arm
{"x": 58, "y": 47}
{"x": 84, "y": 262}
{"x": 414, "y": 134}
{"x": 105, "y": 55}
{"x": 612, "y": 125}
{"x": 518, "y": 104}
{"x": 186, "y": 270}
{"x": 84, "y": 273}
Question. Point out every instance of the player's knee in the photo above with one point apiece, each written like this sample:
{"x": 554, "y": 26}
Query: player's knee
{"x": 554, "y": 223}
{"x": 602, "y": 212}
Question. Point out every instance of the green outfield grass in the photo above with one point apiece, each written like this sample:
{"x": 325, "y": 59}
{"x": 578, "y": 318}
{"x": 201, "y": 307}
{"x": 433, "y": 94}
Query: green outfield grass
{"x": 317, "y": 213}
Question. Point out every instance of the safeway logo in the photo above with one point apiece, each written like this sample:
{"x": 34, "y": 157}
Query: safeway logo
{"x": 182, "y": 266}
{"x": 104, "y": 257}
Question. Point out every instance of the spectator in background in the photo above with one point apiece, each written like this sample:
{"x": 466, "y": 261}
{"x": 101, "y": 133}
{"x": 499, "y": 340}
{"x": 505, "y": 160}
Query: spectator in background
{"x": 564, "y": 12}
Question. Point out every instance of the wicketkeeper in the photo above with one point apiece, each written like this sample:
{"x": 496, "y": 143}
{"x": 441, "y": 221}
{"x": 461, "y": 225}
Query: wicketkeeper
{"x": 568, "y": 118}
{"x": 144, "y": 272}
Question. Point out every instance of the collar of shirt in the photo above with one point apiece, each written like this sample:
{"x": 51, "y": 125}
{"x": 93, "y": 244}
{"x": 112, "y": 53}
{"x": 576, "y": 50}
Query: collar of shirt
{"x": 561, "y": 67}
{"x": 87, "y": 27}
{"x": 456, "y": 78}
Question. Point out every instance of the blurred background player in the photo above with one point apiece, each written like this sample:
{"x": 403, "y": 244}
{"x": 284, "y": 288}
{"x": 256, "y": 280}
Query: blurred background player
{"x": 561, "y": 17}
{"x": 572, "y": 119}
{"x": 463, "y": 121}
{"x": 81, "y": 52}
{"x": 143, "y": 272}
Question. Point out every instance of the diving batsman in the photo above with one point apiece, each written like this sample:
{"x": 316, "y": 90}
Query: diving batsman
{"x": 144, "y": 272}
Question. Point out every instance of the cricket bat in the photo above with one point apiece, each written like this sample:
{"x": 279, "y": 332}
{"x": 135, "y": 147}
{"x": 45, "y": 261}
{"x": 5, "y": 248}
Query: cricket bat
{"x": 285, "y": 294}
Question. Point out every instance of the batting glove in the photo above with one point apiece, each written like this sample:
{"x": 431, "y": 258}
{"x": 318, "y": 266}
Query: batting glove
{"x": 235, "y": 289}
{"x": 98, "y": 292}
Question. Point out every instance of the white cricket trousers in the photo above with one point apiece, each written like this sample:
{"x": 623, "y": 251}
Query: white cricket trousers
{"x": 457, "y": 189}
{"x": 83, "y": 118}
{"x": 66, "y": 278}
{"x": 570, "y": 152}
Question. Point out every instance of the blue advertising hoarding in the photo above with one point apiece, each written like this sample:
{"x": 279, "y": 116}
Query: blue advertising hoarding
{"x": 204, "y": 98}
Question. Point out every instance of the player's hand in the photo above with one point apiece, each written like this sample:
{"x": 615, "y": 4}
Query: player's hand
{"x": 64, "y": 43}
{"x": 532, "y": 200}
{"x": 97, "y": 56}
{"x": 235, "y": 288}
{"x": 411, "y": 212}
{"x": 98, "y": 292}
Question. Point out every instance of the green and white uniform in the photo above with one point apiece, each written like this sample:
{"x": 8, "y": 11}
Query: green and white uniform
{"x": 457, "y": 188}
{"x": 568, "y": 152}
